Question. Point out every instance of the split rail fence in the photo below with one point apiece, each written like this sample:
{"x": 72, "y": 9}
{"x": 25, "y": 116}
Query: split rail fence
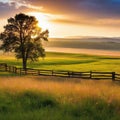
{"x": 72, "y": 74}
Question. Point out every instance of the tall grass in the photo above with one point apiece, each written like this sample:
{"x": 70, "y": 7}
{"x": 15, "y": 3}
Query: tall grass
{"x": 65, "y": 89}
{"x": 51, "y": 98}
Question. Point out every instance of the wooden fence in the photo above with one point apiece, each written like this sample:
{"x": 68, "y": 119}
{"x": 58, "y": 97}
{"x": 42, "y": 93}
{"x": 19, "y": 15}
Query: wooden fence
{"x": 117, "y": 77}
{"x": 72, "y": 74}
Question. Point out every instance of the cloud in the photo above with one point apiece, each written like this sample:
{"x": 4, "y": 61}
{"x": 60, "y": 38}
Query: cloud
{"x": 89, "y": 12}
{"x": 101, "y": 8}
{"x": 98, "y": 8}
{"x": 19, "y": 3}
{"x": 85, "y": 22}
{"x": 6, "y": 9}
{"x": 66, "y": 21}
{"x": 9, "y": 8}
{"x": 93, "y": 8}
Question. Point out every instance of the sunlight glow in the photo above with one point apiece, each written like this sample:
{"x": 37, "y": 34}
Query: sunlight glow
{"x": 42, "y": 19}
{"x": 61, "y": 30}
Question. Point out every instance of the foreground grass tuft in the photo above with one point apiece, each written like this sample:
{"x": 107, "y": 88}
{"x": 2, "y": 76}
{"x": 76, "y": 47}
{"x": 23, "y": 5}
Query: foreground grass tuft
{"x": 29, "y": 105}
{"x": 26, "y": 101}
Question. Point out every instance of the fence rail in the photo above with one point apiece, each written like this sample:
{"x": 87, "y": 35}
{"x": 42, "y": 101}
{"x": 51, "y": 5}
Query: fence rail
{"x": 117, "y": 77}
{"x": 72, "y": 74}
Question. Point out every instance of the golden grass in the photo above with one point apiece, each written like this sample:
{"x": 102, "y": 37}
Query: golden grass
{"x": 64, "y": 89}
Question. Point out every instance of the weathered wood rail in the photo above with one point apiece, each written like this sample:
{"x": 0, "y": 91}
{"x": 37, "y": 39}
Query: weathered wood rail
{"x": 117, "y": 77}
{"x": 72, "y": 74}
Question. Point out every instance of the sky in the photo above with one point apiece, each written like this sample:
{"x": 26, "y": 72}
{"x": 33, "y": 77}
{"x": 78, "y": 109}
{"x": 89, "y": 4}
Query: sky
{"x": 68, "y": 18}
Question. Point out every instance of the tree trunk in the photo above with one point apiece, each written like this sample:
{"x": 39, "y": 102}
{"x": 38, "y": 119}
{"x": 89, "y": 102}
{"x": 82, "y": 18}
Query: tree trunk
{"x": 24, "y": 64}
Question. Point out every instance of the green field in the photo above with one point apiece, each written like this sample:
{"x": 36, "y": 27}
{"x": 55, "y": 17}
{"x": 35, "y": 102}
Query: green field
{"x": 72, "y": 62}
{"x": 55, "y": 98}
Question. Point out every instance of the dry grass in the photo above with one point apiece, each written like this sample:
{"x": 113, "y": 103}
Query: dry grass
{"x": 65, "y": 90}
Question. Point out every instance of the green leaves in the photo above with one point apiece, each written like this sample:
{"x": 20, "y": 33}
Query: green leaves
{"x": 23, "y": 36}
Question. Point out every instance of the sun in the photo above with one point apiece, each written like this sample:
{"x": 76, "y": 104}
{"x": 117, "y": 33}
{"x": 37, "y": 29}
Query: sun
{"x": 43, "y": 20}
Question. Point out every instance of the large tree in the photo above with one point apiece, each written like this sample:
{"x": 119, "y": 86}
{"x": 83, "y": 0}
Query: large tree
{"x": 23, "y": 36}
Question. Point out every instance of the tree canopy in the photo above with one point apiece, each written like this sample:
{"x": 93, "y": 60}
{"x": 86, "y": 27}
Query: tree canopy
{"x": 23, "y": 36}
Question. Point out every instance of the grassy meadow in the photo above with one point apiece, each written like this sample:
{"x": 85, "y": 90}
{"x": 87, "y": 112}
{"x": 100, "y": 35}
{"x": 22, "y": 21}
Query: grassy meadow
{"x": 55, "y": 98}
{"x": 66, "y": 61}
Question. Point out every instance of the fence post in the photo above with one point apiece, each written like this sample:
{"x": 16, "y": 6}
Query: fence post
{"x": 5, "y": 67}
{"x": 90, "y": 74}
{"x": 38, "y": 72}
{"x": 52, "y": 72}
{"x": 26, "y": 71}
{"x": 68, "y": 74}
{"x": 72, "y": 74}
{"x": 113, "y": 76}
